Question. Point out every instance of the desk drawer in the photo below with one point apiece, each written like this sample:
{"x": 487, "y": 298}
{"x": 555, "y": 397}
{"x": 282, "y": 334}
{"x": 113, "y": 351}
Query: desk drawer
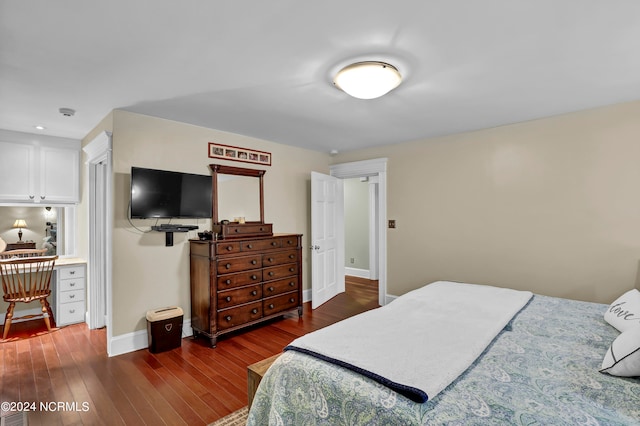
{"x": 72, "y": 284}
{"x": 67, "y": 272}
{"x": 69, "y": 313}
{"x": 71, "y": 296}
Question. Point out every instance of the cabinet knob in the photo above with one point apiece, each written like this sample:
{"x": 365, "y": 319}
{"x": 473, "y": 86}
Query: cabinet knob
{"x": 270, "y": 259}
{"x": 249, "y": 246}
{"x": 292, "y": 284}
{"x": 227, "y": 282}
{"x": 254, "y": 262}
{"x": 261, "y": 228}
{"x": 274, "y": 243}
{"x": 228, "y": 298}
{"x": 291, "y": 300}
{"x": 254, "y": 311}
{"x": 271, "y": 289}
{"x": 292, "y": 269}
{"x": 254, "y": 293}
{"x": 228, "y": 266}
{"x": 292, "y": 256}
{"x": 254, "y": 277}
{"x": 229, "y": 248}
{"x": 228, "y": 317}
{"x": 270, "y": 273}
{"x": 271, "y": 306}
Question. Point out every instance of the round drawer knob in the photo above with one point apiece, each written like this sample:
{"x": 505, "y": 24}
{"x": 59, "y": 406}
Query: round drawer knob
{"x": 271, "y": 273}
{"x": 261, "y": 228}
{"x": 228, "y": 298}
{"x": 254, "y": 311}
{"x": 254, "y": 277}
{"x": 236, "y": 230}
{"x": 292, "y": 284}
{"x": 229, "y": 248}
{"x": 254, "y": 262}
{"x": 271, "y": 288}
{"x": 274, "y": 243}
{"x": 228, "y": 266}
{"x": 271, "y": 306}
{"x": 292, "y": 269}
{"x": 291, "y": 256}
{"x": 228, "y": 317}
{"x": 254, "y": 293}
{"x": 249, "y": 246}
{"x": 227, "y": 282}
{"x": 292, "y": 300}
{"x": 270, "y": 259}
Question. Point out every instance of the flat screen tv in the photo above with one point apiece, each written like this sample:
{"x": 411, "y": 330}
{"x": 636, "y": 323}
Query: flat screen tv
{"x": 166, "y": 194}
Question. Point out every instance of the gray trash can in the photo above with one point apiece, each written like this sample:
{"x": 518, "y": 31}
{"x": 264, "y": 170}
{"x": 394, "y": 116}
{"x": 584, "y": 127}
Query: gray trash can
{"x": 164, "y": 328}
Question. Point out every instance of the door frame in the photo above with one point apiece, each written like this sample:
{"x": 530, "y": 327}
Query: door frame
{"x": 375, "y": 167}
{"x": 98, "y": 152}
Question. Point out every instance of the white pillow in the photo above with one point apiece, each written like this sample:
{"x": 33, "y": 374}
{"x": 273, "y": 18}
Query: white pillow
{"x": 624, "y": 312}
{"x": 623, "y": 356}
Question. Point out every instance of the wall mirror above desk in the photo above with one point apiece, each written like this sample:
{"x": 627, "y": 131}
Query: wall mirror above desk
{"x": 238, "y": 197}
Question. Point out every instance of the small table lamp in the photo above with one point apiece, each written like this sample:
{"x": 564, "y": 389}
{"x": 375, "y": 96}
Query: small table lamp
{"x": 20, "y": 223}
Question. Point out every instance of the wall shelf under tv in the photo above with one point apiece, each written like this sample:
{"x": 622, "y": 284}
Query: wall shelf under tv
{"x": 170, "y": 229}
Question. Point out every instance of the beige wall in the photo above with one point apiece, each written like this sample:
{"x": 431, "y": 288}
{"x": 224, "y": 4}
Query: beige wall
{"x": 146, "y": 273}
{"x": 551, "y": 205}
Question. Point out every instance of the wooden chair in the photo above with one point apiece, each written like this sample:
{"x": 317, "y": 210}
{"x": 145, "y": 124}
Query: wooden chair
{"x": 25, "y": 279}
{"x": 22, "y": 253}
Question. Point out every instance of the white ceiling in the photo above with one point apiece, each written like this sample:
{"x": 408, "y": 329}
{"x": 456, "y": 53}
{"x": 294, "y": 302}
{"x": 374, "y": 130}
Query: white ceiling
{"x": 264, "y": 68}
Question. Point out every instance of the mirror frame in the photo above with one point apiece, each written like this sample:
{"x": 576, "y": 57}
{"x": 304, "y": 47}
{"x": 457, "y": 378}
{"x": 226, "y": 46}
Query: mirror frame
{"x": 238, "y": 171}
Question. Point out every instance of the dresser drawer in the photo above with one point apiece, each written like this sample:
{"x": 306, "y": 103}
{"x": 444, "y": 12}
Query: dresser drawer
{"x": 277, "y": 304}
{"x": 72, "y": 284}
{"x": 229, "y": 298}
{"x": 71, "y": 272}
{"x": 239, "y": 315}
{"x": 275, "y": 272}
{"x": 280, "y": 257}
{"x": 234, "y": 230}
{"x": 71, "y": 296}
{"x": 226, "y": 247}
{"x": 70, "y": 312}
{"x": 289, "y": 242}
{"x": 236, "y": 264}
{"x": 228, "y": 281}
{"x": 276, "y": 287}
{"x": 261, "y": 245}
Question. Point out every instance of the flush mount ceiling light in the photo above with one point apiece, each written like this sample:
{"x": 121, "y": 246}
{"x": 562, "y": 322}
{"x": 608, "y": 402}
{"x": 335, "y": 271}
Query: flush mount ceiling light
{"x": 368, "y": 80}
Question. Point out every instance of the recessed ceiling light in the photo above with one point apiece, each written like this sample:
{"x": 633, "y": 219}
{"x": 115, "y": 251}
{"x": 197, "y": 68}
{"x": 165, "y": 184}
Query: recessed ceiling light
{"x": 40, "y": 127}
{"x": 368, "y": 79}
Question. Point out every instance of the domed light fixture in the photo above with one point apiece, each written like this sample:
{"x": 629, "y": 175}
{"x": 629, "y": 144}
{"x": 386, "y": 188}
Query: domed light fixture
{"x": 368, "y": 80}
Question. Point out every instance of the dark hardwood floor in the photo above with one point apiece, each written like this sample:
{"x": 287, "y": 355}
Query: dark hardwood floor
{"x": 191, "y": 385}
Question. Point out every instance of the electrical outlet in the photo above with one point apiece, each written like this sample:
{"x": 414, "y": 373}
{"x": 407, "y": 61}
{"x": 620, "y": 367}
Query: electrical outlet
{"x": 392, "y": 223}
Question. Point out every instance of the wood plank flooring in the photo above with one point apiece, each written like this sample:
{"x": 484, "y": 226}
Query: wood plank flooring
{"x": 191, "y": 385}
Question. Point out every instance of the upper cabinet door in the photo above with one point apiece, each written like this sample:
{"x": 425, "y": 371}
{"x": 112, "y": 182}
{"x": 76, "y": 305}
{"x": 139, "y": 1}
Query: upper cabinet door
{"x": 17, "y": 172}
{"x": 59, "y": 175}
{"x": 39, "y": 174}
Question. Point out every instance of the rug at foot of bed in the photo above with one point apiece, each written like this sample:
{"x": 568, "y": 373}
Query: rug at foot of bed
{"x": 237, "y": 418}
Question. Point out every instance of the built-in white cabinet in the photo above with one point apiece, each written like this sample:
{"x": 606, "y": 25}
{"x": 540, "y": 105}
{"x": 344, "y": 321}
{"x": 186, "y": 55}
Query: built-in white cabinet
{"x": 69, "y": 295}
{"x": 39, "y": 173}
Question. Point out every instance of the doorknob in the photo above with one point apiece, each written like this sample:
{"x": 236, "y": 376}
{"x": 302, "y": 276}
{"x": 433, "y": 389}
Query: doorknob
{"x": 315, "y": 247}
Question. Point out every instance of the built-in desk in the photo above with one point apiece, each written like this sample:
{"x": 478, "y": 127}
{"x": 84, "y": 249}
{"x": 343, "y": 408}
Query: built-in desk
{"x": 68, "y": 291}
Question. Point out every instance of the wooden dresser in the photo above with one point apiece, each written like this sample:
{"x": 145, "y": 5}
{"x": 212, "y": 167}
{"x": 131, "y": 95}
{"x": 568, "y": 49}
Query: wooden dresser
{"x": 239, "y": 282}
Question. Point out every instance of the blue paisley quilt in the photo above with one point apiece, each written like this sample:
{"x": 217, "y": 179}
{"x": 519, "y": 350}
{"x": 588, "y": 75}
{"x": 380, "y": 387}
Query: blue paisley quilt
{"x": 542, "y": 369}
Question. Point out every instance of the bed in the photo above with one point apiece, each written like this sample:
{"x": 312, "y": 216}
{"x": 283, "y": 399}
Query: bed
{"x": 542, "y": 367}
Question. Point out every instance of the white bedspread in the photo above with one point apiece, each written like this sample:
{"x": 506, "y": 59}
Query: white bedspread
{"x": 422, "y": 341}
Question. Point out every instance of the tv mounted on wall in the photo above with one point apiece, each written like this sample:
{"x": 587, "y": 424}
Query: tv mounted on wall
{"x": 167, "y": 194}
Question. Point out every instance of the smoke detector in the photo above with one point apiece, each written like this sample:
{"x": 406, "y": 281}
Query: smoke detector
{"x": 67, "y": 112}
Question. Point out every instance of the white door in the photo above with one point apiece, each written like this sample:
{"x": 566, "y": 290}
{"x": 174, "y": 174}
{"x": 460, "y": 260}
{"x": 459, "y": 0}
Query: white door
{"x": 327, "y": 238}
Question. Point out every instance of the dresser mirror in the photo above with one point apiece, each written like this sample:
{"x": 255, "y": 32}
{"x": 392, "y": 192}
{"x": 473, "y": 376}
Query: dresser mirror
{"x": 238, "y": 194}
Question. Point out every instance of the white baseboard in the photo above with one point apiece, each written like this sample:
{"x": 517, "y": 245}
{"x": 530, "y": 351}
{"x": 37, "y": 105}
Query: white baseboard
{"x": 137, "y": 340}
{"x": 306, "y": 296}
{"x": 23, "y": 313}
{"x": 390, "y": 298}
{"x": 355, "y": 272}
